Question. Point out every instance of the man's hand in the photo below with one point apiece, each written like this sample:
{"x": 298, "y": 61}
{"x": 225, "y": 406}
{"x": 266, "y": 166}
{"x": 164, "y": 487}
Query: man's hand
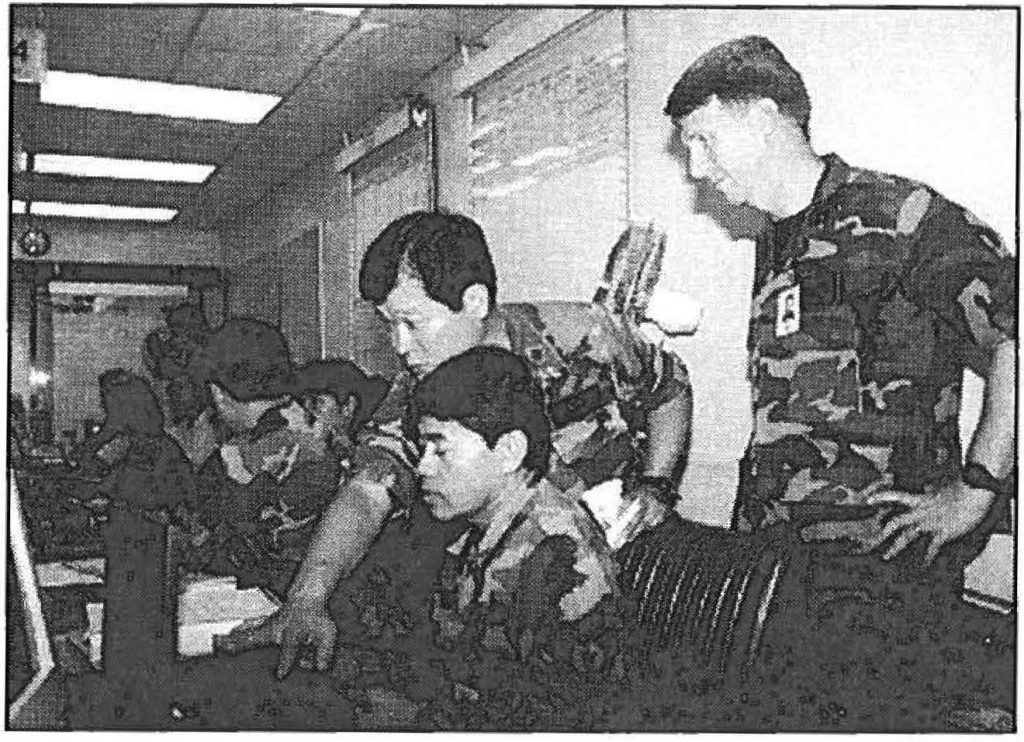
{"x": 295, "y": 626}
{"x": 861, "y": 532}
{"x": 302, "y": 623}
{"x": 945, "y": 514}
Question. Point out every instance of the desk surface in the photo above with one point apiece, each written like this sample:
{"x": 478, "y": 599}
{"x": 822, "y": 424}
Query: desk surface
{"x": 221, "y": 693}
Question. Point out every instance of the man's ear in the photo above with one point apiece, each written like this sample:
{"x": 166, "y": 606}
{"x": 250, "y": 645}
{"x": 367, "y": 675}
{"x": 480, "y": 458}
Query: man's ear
{"x": 476, "y": 301}
{"x": 512, "y": 448}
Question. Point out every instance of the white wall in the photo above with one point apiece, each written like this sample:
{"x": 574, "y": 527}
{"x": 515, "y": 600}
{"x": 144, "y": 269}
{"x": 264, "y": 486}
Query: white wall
{"x": 925, "y": 93}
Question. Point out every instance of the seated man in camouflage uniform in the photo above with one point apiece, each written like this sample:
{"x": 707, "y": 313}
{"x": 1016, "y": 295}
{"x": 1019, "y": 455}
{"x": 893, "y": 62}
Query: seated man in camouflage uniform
{"x": 532, "y": 575}
{"x": 277, "y": 465}
{"x": 620, "y": 406}
{"x": 479, "y": 420}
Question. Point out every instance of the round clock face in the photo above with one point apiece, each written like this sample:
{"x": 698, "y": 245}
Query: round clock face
{"x": 34, "y": 242}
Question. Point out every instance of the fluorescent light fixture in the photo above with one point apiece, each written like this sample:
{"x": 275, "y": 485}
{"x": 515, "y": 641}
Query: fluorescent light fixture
{"x": 97, "y": 211}
{"x": 131, "y": 95}
{"x": 83, "y": 288}
{"x": 344, "y": 10}
{"x": 117, "y": 167}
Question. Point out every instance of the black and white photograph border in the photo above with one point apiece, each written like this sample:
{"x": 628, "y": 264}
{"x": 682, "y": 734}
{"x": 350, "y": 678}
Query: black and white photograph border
{"x": 439, "y": 367}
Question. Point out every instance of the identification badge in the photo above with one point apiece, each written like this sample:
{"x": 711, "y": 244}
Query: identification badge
{"x": 787, "y": 311}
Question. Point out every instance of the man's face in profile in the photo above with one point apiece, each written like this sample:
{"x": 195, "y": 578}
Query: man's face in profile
{"x": 459, "y": 470}
{"x": 725, "y": 148}
{"x": 424, "y": 332}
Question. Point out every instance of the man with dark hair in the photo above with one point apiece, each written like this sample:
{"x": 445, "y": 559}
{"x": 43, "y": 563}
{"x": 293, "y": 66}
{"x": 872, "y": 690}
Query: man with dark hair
{"x": 897, "y": 290}
{"x": 872, "y": 294}
{"x": 479, "y": 420}
{"x": 619, "y": 405}
{"x": 742, "y": 71}
{"x": 532, "y": 575}
{"x": 447, "y": 252}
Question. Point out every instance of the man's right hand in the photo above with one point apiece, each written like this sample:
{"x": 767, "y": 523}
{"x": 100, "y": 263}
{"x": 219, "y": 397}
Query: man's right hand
{"x": 347, "y": 528}
{"x": 301, "y": 624}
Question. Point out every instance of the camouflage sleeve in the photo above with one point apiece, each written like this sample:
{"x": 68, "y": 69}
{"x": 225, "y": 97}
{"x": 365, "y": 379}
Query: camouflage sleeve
{"x": 383, "y": 455}
{"x": 960, "y": 270}
{"x": 648, "y": 375}
{"x": 545, "y": 577}
{"x": 665, "y": 376}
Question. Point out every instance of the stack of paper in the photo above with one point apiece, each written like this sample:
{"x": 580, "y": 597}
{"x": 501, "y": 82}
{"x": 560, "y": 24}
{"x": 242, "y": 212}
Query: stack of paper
{"x": 210, "y": 606}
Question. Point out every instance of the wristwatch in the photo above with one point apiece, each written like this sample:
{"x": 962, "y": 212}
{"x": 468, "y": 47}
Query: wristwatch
{"x": 665, "y": 488}
{"x": 977, "y": 476}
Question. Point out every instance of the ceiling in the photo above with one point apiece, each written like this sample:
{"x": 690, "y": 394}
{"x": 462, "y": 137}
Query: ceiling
{"x": 334, "y": 72}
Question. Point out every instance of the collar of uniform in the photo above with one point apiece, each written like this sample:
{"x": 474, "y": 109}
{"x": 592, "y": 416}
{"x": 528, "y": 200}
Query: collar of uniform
{"x": 835, "y": 175}
{"x": 394, "y": 404}
{"x": 509, "y": 508}
{"x": 270, "y": 421}
{"x": 784, "y": 249}
{"x": 496, "y": 330}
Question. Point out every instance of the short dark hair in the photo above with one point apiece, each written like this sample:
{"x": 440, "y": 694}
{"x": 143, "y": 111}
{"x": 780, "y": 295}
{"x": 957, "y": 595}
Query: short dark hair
{"x": 742, "y": 70}
{"x": 491, "y": 392}
{"x": 446, "y": 252}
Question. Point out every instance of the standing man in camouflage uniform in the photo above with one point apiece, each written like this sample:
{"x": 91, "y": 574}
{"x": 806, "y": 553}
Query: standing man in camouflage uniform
{"x": 872, "y": 293}
{"x": 620, "y": 406}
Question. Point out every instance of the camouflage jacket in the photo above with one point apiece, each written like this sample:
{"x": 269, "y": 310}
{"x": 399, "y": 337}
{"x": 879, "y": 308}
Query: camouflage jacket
{"x": 600, "y": 378}
{"x": 515, "y": 624}
{"x": 541, "y": 554}
{"x": 867, "y": 306}
{"x": 261, "y": 494}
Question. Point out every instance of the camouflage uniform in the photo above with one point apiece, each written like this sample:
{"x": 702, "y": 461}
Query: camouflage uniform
{"x": 521, "y": 620}
{"x": 262, "y": 495}
{"x": 600, "y": 379}
{"x": 522, "y": 598}
{"x": 859, "y": 389}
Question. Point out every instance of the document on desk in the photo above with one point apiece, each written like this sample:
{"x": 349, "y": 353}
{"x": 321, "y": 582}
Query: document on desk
{"x": 210, "y": 606}
{"x": 71, "y": 572}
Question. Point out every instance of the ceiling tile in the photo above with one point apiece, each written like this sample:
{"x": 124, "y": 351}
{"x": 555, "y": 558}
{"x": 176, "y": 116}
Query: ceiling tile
{"x": 67, "y": 189}
{"x": 85, "y": 131}
{"x": 143, "y": 41}
{"x": 267, "y": 49}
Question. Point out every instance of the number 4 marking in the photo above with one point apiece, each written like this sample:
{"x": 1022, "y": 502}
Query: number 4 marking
{"x": 20, "y": 51}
